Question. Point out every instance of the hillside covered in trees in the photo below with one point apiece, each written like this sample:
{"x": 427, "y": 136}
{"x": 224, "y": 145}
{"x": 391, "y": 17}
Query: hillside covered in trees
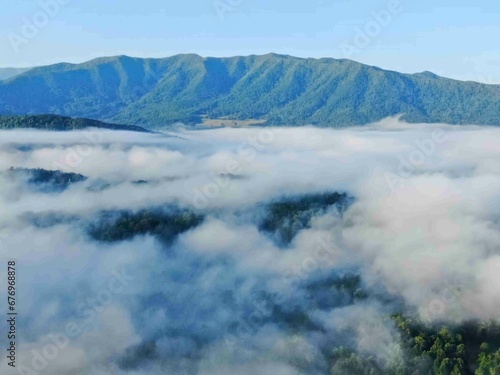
{"x": 274, "y": 89}
{"x": 59, "y": 123}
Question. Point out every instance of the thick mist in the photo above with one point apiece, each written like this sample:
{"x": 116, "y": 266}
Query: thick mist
{"x": 417, "y": 232}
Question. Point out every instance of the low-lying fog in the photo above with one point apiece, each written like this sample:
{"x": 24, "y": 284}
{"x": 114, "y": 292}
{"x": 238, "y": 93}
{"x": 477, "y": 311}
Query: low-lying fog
{"x": 244, "y": 251}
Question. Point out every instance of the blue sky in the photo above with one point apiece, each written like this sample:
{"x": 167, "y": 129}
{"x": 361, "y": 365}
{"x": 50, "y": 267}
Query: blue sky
{"x": 458, "y": 39}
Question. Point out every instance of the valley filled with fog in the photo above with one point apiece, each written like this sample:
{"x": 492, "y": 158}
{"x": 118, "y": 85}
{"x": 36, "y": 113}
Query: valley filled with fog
{"x": 268, "y": 250}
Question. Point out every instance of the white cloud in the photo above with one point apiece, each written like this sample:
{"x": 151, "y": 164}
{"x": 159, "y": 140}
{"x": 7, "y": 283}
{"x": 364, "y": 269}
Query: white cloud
{"x": 423, "y": 227}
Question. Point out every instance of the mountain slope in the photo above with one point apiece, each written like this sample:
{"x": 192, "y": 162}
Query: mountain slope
{"x": 282, "y": 90}
{"x": 53, "y": 122}
{"x": 6, "y": 73}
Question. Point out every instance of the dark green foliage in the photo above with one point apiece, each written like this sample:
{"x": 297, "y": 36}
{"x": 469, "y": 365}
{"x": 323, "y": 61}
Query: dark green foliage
{"x": 282, "y": 90}
{"x": 471, "y": 348}
{"x": 327, "y": 289}
{"x": 347, "y": 362}
{"x": 46, "y": 181}
{"x": 52, "y": 122}
{"x": 287, "y": 217}
{"x": 333, "y": 291}
{"x": 125, "y": 225}
{"x": 351, "y": 285}
{"x": 466, "y": 349}
{"x": 489, "y": 362}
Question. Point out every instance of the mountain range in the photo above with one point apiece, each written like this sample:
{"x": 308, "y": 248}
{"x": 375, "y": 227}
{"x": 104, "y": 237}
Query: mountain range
{"x": 269, "y": 89}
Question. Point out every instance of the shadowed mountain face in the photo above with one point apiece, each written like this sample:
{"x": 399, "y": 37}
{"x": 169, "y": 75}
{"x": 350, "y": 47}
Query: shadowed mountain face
{"x": 281, "y": 90}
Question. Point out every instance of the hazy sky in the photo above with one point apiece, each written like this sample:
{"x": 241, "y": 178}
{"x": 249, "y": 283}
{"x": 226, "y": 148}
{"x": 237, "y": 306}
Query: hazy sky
{"x": 457, "y": 38}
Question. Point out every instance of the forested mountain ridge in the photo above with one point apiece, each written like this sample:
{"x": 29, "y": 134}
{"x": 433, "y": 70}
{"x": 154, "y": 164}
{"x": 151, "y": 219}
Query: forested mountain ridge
{"x": 61, "y": 123}
{"x": 277, "y": 89}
